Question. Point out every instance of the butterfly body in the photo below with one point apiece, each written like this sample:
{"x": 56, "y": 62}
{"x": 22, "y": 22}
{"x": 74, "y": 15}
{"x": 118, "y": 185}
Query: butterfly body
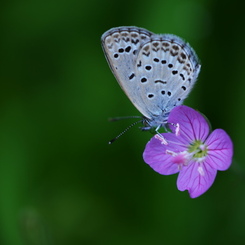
{"x": 157, "y": 72}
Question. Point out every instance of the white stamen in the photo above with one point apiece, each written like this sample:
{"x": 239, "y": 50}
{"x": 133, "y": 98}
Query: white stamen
{"x": 202, "y": 147}
{"x": 172, "y": 153}
{"x": 200, "y": 159}
{"x": 177, "y": 130}
{"x": 161, "y": 138}
{"x": 200, "y": 170}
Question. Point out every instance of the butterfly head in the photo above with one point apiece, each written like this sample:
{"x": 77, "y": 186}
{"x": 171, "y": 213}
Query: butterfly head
{"x": 155, "y": 123}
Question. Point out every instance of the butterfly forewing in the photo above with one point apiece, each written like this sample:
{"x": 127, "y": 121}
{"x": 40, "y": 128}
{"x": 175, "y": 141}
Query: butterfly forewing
{"x": 121, "y": 46}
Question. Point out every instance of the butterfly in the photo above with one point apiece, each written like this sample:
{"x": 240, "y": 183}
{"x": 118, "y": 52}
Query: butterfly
{"x": 156, "y": 71}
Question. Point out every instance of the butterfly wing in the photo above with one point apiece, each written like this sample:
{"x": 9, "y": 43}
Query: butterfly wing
{"x": 157, "y": 72}
{"x": 166, "y": 70}
{"x": 121, "y": 47}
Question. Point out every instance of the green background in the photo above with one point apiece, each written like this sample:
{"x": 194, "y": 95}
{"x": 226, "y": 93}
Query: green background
{"x": 60, "y": 181}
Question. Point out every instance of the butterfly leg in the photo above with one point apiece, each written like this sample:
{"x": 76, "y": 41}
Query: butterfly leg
{"x": 160, "y": 137}
{"x": 177, "y": 128}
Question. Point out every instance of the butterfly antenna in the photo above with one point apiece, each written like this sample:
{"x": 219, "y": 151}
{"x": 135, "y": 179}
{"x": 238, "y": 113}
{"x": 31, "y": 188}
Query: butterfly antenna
{"x": 123, "y": 132}
{"x": 114, "y": 119}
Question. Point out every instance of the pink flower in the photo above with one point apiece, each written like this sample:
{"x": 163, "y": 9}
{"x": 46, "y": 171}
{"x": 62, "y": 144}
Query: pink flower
{"x": 191, "y": 150}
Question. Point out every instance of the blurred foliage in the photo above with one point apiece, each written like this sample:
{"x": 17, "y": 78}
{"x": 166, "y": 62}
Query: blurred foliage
{"x": 60, "y": 182}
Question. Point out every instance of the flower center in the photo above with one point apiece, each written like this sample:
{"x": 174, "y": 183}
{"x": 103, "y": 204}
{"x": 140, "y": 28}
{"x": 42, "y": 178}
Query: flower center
{"x": 198, "y": 149}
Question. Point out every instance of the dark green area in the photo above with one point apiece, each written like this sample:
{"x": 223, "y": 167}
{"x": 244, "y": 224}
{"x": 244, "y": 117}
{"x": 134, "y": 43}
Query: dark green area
{"x": 60, "y": 182}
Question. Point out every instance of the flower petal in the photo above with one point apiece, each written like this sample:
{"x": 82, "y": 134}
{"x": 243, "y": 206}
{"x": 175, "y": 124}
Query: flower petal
{"x": 193, "y": 126}
{"x": 155, "y": 154}
{"x": 196, "y": 178}
{"x": 220, "y": 150}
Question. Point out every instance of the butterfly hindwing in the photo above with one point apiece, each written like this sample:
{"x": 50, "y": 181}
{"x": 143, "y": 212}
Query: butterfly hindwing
{"x": 166, "y": 72}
